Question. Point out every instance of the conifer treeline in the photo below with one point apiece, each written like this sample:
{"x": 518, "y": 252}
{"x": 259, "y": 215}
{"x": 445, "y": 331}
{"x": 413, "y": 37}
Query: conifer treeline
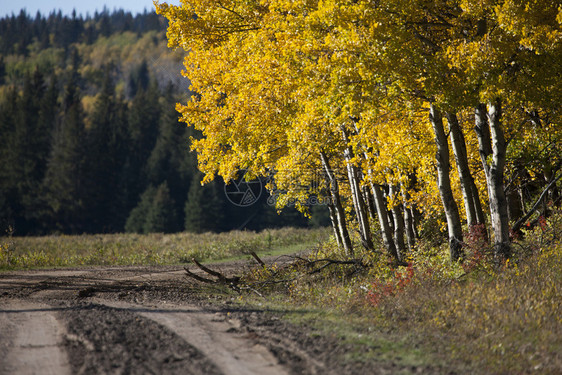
{"x": 121, "y": 165}
{"x": 58, "y": 30}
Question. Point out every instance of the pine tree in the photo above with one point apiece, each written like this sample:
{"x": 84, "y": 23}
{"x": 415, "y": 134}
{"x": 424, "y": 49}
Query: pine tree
{"x": 161, "y": 216}
{"x": 170, "y": 159}
{"x": 64, "y": 178}
{"x": 204, "y": 207}
{"x": 143, "y": 118}
{"x": 105, "y": 141}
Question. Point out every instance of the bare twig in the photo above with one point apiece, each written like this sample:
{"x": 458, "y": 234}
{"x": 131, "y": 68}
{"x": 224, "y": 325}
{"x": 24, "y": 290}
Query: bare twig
{"x": 252, "y": 290}
{"x": 257, "y": 258}
{"x": 219, "y": 275}
{"x": 198, "y": 278}
{"x": 221, "y": 279}
{"x": 329, "y": 262}
{"x": 520, "y": 222}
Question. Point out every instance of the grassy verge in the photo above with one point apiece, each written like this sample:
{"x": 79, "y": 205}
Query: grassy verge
{"x": 435, "y": 316}
{"x": 152, "y": 249}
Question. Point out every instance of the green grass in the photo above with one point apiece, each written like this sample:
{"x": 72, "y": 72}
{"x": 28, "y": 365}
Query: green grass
{"x": 151, "y": 249}
{"x": 365, "y": 342}
{"x": 274, "y": 251}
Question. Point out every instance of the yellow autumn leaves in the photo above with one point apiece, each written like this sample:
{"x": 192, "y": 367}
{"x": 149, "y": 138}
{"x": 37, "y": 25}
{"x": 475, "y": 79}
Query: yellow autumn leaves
{"x": 279, "y": 82}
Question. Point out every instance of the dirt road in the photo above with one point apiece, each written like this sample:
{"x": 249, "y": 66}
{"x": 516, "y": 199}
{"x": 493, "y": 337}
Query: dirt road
{"x": 154, "y": 320}
{"x": 138, "y": 320}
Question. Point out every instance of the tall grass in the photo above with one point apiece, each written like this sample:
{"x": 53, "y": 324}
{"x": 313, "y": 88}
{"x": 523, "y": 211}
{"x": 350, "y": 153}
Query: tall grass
{"x": 151, "y": 249}
{"x": 475, "y": 317}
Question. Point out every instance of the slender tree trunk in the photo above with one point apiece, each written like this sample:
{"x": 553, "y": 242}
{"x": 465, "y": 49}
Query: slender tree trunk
{"x": 338, "y": 207}
{"x": 480, "y": 216}
{"x": 416, "y": 214}
{"x": 492, "y": 149}
{"x": 409, "y": 225}
{"x": 358, "y": 201}
{"x": 334, "y": 220}
{"x": 398, "y": 224}
{"x": 380, "y": 208}
{"x": 369, "y": 200}
{"x": 408, "y": 220}
{"x": 382, "y": 213}
{"x": 443, "y": 180}
{"x": 474, "y": 212}
{"x": 549, "y": 173}
{"x": 482, "y": 130}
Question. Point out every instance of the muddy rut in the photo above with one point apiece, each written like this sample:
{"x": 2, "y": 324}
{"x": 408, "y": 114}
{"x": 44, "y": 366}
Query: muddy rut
{"x": 124, "y": 321}
{"x": 154, "y": 320}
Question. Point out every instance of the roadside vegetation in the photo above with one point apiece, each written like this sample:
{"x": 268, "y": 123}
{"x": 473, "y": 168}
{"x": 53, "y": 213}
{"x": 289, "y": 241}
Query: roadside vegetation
{"x": 466, "y": 317}
{"x": 150, "y": 249}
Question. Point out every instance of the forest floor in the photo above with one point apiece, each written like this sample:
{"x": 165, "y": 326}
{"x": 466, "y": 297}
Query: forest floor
{"x": 155, "y": 320}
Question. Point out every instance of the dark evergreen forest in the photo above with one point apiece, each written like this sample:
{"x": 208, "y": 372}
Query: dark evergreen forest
{"x": 91, "y": 141}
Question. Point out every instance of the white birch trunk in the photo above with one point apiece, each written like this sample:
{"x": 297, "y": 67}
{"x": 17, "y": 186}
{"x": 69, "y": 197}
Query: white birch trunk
{"x": 382, "y": 213}
{"x": 398, "y": 225}
{"x": 358, "y": 201}
{"x": 454, "y": 227}
{"x": 338, "y": 207}
{"x": 473, "y": 207}
{"x": 492, "y": 148}
{"x": 498, "y": 201}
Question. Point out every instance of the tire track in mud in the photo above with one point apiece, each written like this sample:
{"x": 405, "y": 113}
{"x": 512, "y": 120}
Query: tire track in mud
{"x": 31, "y": 340}
{"x": 233, "y": 353}
{"x": 88, "y": 329}
{"x": 106, "y": 340}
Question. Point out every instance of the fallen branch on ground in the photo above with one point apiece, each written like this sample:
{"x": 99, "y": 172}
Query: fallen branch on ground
{"x": 277, "y": 276}
{"x": 329, "y": 262}
{"x": 220, "y": 278}
{"x": 257, "y": 258}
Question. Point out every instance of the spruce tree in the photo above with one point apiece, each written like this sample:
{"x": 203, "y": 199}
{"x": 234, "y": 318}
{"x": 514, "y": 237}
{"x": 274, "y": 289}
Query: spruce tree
{"x": 143, "y": 118}
{"x": 155, "y": 212}
{"x": 64, "y": 178}
{"x": 2, "y": 70}
{"x": 139, "y": 79}
{"x": 171, "y": 159}
{"x": 46, "y": 124}
{"x": 104, "y": 161}
{"x": 204, "y": 208}
{"x": 161, "y": 216}
{"x": 25, "y": 159}
{"x": 9, "y": 113}
{"x": 137, "y": 217}
{"x": 120, "y": 210}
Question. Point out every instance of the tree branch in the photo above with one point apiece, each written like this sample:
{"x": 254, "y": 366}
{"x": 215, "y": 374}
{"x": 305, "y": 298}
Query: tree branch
{"x": 520, "y": 222}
